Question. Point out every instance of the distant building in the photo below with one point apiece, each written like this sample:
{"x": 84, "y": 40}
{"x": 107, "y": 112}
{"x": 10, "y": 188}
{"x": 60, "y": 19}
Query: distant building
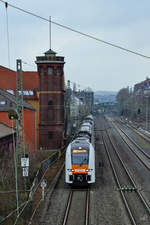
{"x": 142, "y": 87}
{"x": 78, "y": 105}
{"x": 87, "y": 98}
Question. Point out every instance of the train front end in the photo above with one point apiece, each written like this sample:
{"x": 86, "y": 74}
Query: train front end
{"x": 80, "y": 163}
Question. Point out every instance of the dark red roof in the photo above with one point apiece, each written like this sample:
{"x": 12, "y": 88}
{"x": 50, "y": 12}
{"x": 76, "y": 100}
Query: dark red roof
{"x": 8, "y": 79}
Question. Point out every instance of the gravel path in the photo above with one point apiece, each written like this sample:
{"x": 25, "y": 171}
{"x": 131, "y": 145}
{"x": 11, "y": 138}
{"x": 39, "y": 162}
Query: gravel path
{"x": 57, "y": 204}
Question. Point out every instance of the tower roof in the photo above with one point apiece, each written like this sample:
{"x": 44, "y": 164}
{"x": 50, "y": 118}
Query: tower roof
{"x": 50, "y": 52}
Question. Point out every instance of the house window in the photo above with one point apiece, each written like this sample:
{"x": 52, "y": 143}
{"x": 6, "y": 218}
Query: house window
{"x": 50, "y": 134}
{"x": 10, "y": 91}
{"x": 50, "y": 70}
{"x": 31, "y": 92}
{"x": 2, "y": 102}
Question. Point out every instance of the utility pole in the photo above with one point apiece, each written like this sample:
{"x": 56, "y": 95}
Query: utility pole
{"x": 146, "y": 119}
{"x": 20, "y": 139}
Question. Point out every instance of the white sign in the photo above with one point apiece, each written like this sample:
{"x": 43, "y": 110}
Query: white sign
{"x": 25, "y": 162}
{"x": 43, "y": 183}
{"x": 25, "y": 171}
{"x": 79, "y": 170}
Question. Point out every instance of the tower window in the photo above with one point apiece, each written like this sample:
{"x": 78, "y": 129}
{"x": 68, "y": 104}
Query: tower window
{"x": 42, "y": 71}
{"x": 50, "y": 134}
{"x": 50, "y": 70}
{"x": 58, "y": 71}
{"x": 50, "y": 113}
{"x": 50, "y": 104}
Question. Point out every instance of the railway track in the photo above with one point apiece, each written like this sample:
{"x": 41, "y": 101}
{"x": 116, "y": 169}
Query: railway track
{"x": 140, "y": 132}
{"x": 77, "y": 210}
{"x": 135, "y": 204}
{"x": 134, "y": 147}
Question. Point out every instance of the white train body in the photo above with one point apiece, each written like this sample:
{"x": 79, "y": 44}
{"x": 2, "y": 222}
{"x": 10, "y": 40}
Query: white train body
{"x": 80, "y": 157}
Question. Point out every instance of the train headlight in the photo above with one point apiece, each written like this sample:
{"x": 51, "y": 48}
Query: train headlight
{"x": 86, "y": 170}
{"x": 73, "y": 170}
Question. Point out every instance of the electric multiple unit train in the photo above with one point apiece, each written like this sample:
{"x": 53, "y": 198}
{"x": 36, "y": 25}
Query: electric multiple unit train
{"x": 80, "y": 156}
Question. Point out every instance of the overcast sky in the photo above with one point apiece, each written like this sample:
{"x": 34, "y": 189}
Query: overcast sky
{"x": 89, "y": 63}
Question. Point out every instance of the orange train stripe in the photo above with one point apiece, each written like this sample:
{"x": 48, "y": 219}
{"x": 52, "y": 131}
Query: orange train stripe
{"x": 78, "y": 166}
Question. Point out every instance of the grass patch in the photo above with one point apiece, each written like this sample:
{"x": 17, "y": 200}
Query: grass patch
{"x": 143, "y": 144}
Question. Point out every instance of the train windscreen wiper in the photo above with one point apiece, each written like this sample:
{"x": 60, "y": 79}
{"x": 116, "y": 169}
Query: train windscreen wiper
{"x": 83, "y": 161}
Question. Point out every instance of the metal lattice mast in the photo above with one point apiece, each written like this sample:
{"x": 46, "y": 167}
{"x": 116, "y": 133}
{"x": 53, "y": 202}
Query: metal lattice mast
{"x": 20, "y": 139}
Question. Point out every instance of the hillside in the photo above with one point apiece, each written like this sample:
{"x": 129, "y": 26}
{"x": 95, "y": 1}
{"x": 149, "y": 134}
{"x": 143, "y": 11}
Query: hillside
{"x": 105, "y": 96}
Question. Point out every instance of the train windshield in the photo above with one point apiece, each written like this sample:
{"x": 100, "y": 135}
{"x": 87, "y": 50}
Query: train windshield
{"x": 80, "y": 156}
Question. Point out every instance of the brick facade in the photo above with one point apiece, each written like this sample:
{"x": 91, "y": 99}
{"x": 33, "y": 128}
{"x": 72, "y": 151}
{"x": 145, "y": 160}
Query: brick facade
{"x": 51, "y": 119}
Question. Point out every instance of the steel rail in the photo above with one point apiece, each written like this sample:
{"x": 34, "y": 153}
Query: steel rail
{"x": 119, "y": 185}
{"x": 129, "y": 175}
{"x": 87, "y": 207}
{"x": 68, "y": 207}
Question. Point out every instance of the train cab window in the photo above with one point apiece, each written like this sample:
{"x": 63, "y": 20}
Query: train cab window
{"x": 80, "y": 156}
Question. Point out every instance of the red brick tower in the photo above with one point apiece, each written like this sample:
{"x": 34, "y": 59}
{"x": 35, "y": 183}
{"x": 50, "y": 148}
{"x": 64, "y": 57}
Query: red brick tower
{"x": 51, "y": 121}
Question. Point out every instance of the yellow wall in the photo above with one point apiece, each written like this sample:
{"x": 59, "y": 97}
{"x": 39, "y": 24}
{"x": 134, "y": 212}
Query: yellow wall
{"x": 35, "y": 103}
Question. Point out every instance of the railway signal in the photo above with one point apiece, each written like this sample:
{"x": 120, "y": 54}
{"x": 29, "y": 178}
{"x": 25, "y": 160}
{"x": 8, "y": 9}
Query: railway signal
{"x": 43, "y": 186}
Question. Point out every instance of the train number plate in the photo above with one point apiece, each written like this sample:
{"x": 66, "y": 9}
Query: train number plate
{"x": 79, "y": 170}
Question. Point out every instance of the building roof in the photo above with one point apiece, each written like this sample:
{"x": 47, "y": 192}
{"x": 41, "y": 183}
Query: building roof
{"x": 12, "y": 98}
{"x": 8, "y": 79}
{"x": 5, "y": 130}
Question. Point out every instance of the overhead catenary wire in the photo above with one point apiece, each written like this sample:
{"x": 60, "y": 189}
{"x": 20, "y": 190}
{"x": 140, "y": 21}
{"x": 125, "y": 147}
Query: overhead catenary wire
{"x": 26, "y": 63}
{"x": 76, "y": 31}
